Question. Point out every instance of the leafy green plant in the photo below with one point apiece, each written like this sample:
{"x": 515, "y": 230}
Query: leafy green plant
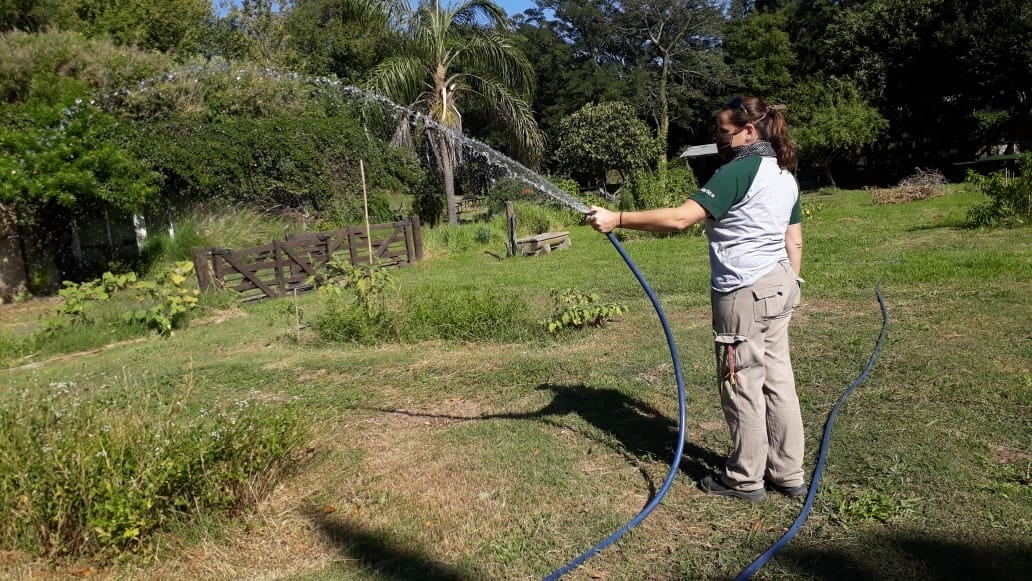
{"x": 77, "y": 298}
{"x": 575, "y": 309}
{"x": 168, "y": 300}
{"x": 360, "y": 315}
{"x": 1010, "y": 198}
{"x": 866, "y": 505}
{"x": 810, "y": 209}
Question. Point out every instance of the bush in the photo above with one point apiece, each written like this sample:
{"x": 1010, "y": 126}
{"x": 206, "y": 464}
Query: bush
{"x": 465, "y": 314}
{"x": 79, "y": 479}
{"x": 1010, "y": 198}
{"x": 647, "y": 190}
{"x": 356, "y": 303}
{"x": 428, "y": 200}
{"x": 288, "y": 162}
{"x": 574, "y": 309}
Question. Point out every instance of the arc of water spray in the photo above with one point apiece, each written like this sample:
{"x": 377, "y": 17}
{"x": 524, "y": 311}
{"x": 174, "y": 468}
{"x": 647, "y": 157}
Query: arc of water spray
{"x": 514, "y": 168}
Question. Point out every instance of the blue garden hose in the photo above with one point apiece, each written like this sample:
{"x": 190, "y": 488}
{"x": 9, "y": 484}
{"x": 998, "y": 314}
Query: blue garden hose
{"x": 680, "y": 426}
{"x": 822, "y": 456}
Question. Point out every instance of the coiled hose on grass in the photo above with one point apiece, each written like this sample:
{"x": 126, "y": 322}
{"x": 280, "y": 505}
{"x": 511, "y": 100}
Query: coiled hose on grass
{"x": 755, "y": 566}
{"x": 822, "y": 455}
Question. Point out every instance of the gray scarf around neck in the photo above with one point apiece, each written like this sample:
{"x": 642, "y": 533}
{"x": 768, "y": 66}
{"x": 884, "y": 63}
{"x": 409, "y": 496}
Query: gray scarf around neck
{"x": 763, "y": 148}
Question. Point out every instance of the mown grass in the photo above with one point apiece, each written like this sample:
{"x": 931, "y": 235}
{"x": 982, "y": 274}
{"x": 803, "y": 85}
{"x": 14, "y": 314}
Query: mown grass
{"x": 482, "y": 460}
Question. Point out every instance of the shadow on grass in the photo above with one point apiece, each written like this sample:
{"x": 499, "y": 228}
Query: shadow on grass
{"x": 378, "y": 553}
{"x": 912, "y": 556}
{"x": 641, "y": 430}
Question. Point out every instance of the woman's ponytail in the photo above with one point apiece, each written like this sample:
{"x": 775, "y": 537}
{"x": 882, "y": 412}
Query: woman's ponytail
{"x": 777, "y": 134}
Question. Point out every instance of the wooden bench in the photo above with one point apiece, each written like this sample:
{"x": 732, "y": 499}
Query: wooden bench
{"x": 543, "y": 243}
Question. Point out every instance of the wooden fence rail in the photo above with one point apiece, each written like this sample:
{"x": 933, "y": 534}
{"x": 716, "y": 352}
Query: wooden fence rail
{"x": 283, "y": 266}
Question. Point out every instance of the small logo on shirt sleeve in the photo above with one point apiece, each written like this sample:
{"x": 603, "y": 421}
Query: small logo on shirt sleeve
{"x": 707, "y": 192}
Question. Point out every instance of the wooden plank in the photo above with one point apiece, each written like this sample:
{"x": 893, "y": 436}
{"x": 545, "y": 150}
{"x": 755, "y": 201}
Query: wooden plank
{"x": 248, "y": 274}
{"x": 302, "y": 263}
{"x": 277, "y": 250}
{"x": 417, "y": 236}
{"x": 202, "y": 268}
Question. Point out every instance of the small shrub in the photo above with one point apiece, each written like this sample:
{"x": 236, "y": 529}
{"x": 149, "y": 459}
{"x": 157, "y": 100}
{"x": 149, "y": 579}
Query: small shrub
{"x": 167, "y": 301}
{"x": 78, "y": 479}
{"x": 361, "y": 315}
{"x": 484, "y": 235}
{"x": 1010, "y": 198}
{"x": 532, "y": 219}
{"x": 647, "y": 190}
{"x": 810, "y": 209}
{"x": 578, "y": 310}
{"x": 464, "y": 314}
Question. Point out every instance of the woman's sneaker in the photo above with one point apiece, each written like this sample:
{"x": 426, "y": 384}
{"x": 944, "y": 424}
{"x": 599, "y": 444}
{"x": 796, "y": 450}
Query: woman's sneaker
{"x": 711, "y": 485}
{"x": 792, "y": 491}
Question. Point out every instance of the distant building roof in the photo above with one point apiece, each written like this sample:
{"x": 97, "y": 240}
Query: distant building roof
{"x": 700, "y": 150}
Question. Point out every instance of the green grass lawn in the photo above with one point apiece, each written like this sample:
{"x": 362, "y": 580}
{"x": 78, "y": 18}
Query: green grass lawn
{"x": 446, "y": 460}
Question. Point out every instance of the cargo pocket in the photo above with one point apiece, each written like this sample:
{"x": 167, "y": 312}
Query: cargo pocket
{"x": 732, "y": 315}
{"x": 769, "y": 302}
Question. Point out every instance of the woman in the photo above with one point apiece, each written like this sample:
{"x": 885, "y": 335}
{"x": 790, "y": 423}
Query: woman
{"x": 752, "y": 217}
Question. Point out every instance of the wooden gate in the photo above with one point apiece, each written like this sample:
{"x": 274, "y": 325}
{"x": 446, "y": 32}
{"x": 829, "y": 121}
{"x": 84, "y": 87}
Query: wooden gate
{"x": 284, "y": 266}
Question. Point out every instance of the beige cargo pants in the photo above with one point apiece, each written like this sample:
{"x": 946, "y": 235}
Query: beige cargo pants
{"x": 757, "y": 387}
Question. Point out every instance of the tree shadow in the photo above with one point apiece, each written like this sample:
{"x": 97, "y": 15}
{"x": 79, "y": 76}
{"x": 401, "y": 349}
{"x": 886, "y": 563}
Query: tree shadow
{"x": 378, "y": 554}
{"x": 912, "y": 556}
{"x": 639, "y": 430}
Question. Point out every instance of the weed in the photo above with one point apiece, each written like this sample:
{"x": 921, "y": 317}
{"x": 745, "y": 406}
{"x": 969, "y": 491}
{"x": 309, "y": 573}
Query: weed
{"x": 865, "y": 505}
{"x": 1010, "y": 198}
{"x": 575, "y": 309}
{"x": 465, "y": 314}
{"x": 81, "y": 479}
{"x": 361, "y": 317}
{"x": 168, "y": 300}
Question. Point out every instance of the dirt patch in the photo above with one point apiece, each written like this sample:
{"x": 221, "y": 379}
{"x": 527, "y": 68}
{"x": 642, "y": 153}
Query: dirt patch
{"x": 1006, "y": 455}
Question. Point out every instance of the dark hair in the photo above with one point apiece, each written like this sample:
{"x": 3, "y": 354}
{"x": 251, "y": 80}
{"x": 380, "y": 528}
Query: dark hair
{"x": 771, "y": 124}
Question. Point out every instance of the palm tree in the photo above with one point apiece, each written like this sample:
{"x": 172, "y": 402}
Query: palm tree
{"x": 448, "y": 57}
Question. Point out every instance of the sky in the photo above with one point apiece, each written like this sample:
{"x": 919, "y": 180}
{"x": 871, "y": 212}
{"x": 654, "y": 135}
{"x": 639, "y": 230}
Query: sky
{"x": 515, "y": 6}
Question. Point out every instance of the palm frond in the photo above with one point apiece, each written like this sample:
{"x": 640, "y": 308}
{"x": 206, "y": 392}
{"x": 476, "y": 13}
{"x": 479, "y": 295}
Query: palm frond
{"x": 401, "y": 79}
{"x": 525, "y": 138}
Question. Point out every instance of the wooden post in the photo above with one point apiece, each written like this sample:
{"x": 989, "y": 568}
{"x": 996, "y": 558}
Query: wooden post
{"x": 352, "y": 251}
{"x": 510, "y": 221}
{"x": 417, "y": 236}
{"x": 200, "y": 261}
{"x": 277, "y": 257}
{"x": 365, "y": 206}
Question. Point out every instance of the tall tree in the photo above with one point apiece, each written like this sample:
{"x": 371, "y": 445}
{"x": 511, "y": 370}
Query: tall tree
{"x": 36, "y": 15}
{"x": 452, "y": 55}
{"x": 164, "y": 25}
{"x": 574, "y": 59}
{"x": 680, "y": 39}
{"x": 345, "y": 38}
{"x": 830, "y": 119}
{"x": 760, "y": 53}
